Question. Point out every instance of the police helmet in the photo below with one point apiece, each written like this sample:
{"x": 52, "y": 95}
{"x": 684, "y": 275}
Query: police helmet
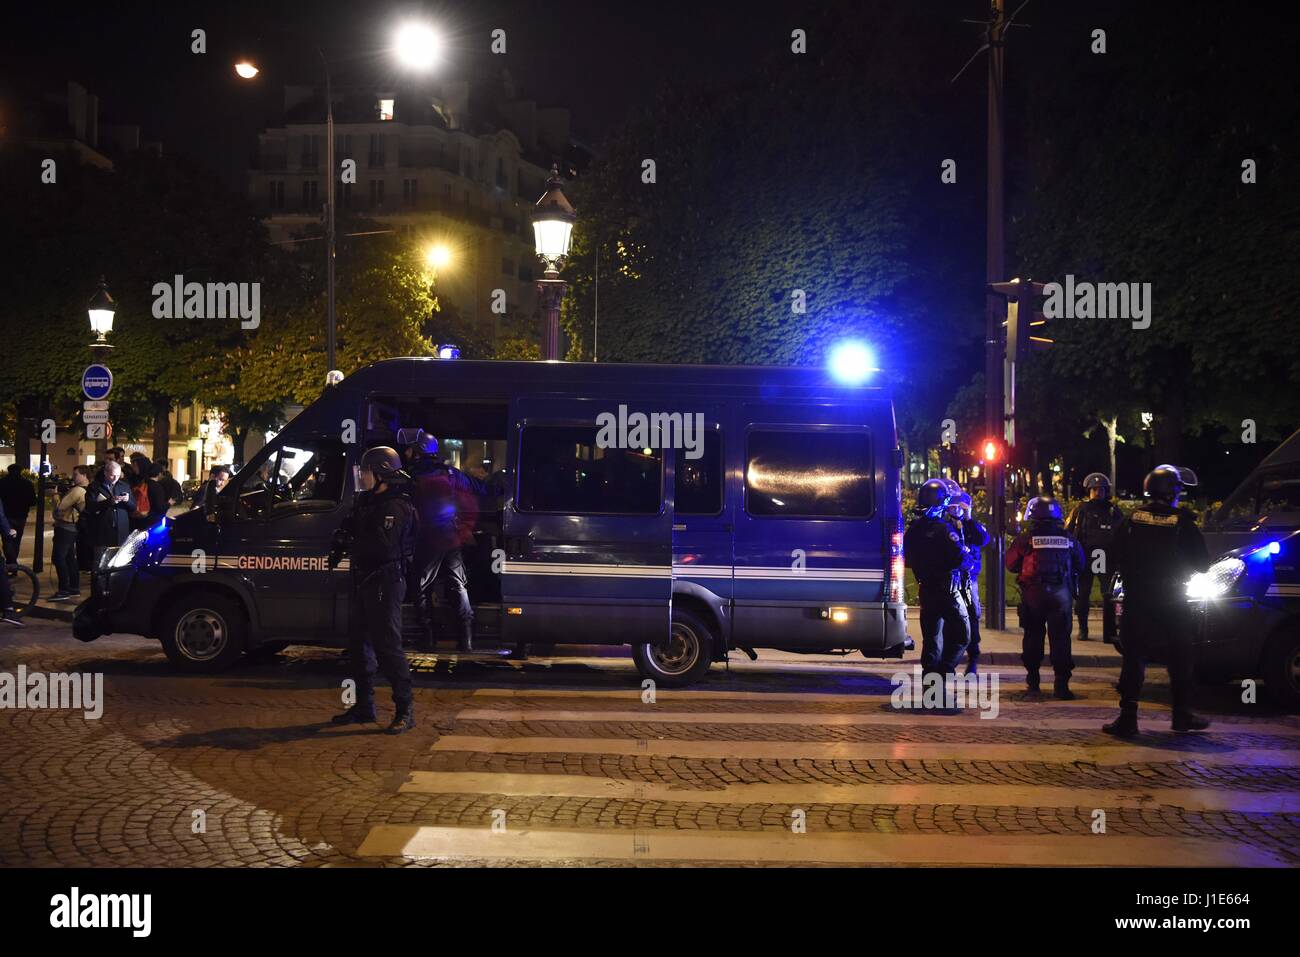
{"x": 1097, "y": 480}
{"x": 383, "y": 463}
{"x": 1165, "y": 483}
{"x": 934, "y": 494}
{"x": 953, "y": 488}
{"x": 1043, "y": 508}
{"x": 419, "y": 441}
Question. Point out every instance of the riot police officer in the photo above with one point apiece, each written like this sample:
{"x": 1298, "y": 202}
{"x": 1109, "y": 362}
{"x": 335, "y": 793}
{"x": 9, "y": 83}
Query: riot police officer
{"x": 380, "y": 534}
{"x": 934, "y": 551}
{"x": 974, "y": 536}
{"x": 444, "y": 496}
{"x": 1048, "y": 561}
{"x": 1158, "y": 548}
{"x": 1094, "y": 523}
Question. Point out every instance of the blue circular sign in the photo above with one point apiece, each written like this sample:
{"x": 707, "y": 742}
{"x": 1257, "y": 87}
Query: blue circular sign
{"x": 96, "y": 382}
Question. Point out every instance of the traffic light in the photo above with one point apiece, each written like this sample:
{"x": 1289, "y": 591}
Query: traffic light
{"x": 1022, "y": 324}
{"x": 992, "y": 452}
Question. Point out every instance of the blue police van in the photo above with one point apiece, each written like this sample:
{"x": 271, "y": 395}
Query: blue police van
{"x": 1247, "y": 605}
{"x": 681, "y": 510}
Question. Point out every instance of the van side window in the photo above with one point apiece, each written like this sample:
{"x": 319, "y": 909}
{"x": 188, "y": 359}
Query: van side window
{"x": 1279, "y": 492}
{"x": 305, "y": 472}
{"x": 698, "y": 482}
{"x": 561, "y": 469}
{"x": 808, "y": 474}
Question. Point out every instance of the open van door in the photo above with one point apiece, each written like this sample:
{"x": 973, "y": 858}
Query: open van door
{"x": 588, "y": 530}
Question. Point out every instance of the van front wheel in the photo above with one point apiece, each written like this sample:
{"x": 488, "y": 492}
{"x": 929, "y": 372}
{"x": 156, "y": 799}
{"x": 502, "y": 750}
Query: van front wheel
{"x": 203, "y": 632}
{"x": 684, "y": 660}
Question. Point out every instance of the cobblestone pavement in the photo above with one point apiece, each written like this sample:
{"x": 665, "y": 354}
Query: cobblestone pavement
{"x": 560, "y": 761}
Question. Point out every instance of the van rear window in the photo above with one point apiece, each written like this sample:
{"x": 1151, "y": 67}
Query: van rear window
{"x": 561, "y": 469}
{"x": 808, "y": 474}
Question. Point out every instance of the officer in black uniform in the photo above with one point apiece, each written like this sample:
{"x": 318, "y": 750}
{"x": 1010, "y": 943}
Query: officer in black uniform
{"x": 380, "y": 535}
{"x": 1094, "y": 523}
{"x": 1158, "y": 548}
{"x": 974, "y": 536}
{"x": 1048, "y": 561}
{"x": 445, "y": 497}
{"x": 934, "y": 551}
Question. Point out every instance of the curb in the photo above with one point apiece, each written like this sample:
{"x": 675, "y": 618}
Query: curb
{"x": 54, "y": 614}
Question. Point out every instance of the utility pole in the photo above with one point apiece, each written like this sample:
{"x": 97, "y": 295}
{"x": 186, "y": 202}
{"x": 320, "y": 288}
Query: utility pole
{"x": 995, "y": 588}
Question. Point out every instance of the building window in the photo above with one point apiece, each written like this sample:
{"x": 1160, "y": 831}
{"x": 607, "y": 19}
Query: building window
{"x": 502, "y": 182}
{"x": 309, "y": 193}
{"x": 346, "y": 152}
{"x": 277, "y": 194}
{"x": 801, "y": 473}
{"x": 310, "y": 152}
{"x": 508, "y": 266}
{"x": 385, "y": 109}
{"x": 410, "y": 192}
{"x": 376, "y": 149}
{"x": 376, "y": 193}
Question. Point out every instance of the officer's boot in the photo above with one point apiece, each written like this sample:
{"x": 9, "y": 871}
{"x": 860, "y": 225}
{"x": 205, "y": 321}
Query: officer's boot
{"x": 971, "y": 663}
{"x": 1061, "y": 691}
{"x": 357, "y": 714}
{"x": 1083, "y": 627}
{"x": 1186, "y": 721}
{"x": 1031, "y": 684}
{"x": 465, "y": 645}
{"x": 1125, "y": 726}
{"x": 403, "y": 720}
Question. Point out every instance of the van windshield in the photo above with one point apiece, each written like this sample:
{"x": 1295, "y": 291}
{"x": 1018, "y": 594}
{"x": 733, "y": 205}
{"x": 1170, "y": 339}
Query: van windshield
{"x": 303, "y": 473}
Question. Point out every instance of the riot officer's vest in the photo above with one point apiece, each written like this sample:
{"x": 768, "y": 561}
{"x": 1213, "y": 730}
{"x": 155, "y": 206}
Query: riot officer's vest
{"x": 1097, "y": 523}
{"x": 1048, "y": 560}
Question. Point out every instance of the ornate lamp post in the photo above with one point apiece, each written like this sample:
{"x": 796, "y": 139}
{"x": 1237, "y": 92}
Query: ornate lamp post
{"x": 553, "y": 219}
{"x": 101, "y": 309}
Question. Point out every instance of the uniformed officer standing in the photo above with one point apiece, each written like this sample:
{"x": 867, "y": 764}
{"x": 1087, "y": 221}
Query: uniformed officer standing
{"x": 974, "y": 536}
{"x": 1094, "y": 523}
{"x": 1048, "y": 561}
{"x": 1158, "y": 548}
{"x": 933, "y": 550}
{"x": 379, "y": 534}
{"x": 444, "y": 496}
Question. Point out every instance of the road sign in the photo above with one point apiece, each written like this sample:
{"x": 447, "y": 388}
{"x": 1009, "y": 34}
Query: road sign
{"x": 95, "y": 405}
{"x": 96, "y": 381}
{"x": 96, "y": 417}
{"x": 95, "y": 431}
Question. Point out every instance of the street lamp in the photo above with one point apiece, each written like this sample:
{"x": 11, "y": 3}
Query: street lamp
{"x": 417, "y": 45}
{"x": 247, "y": 70}
{"x": 101, "y": 309}
{"x": 553, "y": 219}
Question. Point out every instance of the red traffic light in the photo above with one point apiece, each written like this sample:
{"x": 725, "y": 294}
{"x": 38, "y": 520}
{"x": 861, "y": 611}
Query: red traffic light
{"x": 992, "y": 451}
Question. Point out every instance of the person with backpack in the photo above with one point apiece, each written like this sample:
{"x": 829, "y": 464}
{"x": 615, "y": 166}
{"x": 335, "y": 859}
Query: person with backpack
{"x": 1094, "y": 523}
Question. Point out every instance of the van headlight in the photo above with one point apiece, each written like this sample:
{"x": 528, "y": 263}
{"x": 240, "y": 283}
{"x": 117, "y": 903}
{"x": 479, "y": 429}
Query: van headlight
{"x": 1217, "y": 582}
{"x": 125, "y": 555}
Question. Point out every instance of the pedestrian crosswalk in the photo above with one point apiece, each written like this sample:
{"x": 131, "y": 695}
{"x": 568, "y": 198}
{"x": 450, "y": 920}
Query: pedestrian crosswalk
{"x": 575, "y": 775}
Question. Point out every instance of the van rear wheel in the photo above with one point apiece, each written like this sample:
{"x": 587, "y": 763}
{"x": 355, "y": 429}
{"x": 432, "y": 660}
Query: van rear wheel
{"x": 684, "y": 660}
{"x": 203, "y": 632}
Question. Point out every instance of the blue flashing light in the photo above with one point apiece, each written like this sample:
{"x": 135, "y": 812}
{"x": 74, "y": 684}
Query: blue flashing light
{"x": 1273, "y": 547}
{"x": 852, "y": 363}
{"x": 448, "y": 352}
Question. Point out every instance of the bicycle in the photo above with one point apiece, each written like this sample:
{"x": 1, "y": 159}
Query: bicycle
{"x": 25, "y": 586}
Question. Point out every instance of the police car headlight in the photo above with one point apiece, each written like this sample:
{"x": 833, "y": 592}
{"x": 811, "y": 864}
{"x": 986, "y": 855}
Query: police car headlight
{"x": 129, "y": 550}
{"x": 1216, "y": 582}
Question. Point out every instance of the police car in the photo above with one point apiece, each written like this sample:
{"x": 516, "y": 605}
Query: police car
{"x": 681, "y": 510}
{"x": 1247, "y": 604}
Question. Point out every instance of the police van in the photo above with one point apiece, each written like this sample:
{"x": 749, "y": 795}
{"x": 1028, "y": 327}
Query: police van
{"x": 681, "y": 510}
{"x": 1247, "y": 605}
